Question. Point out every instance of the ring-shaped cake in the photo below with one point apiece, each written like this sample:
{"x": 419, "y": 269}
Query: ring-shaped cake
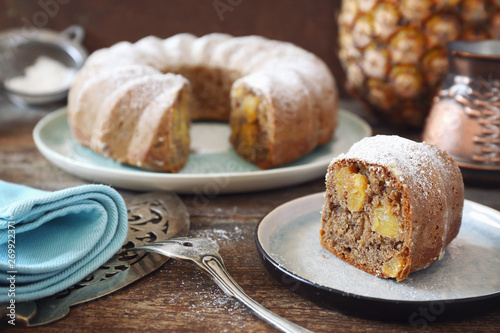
{"x": 134, "y": 102}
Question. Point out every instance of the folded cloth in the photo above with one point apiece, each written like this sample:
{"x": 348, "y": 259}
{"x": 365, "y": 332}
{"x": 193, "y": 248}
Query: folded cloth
{"x": 50, "y": 241}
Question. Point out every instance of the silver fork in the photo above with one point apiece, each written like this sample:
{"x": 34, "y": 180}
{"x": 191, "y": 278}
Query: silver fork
{"x": 205, "y": 254}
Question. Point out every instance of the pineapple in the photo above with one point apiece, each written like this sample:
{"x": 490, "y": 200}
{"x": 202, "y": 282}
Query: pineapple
{"x": 394, "y": 51}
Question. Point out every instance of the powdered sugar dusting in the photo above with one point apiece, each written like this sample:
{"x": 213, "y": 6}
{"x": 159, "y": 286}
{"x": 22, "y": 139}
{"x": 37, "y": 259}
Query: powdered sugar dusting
{"x": 283, "y": 63}
{"x": 207, "y": 300}
{"x": 221, "y": 235}
{"x": 202, "y": 48}
{"x": 177, "y": 50}
{"x": 281, "y": 84}
{"x": 150, "y": 49}
{"x": 406, "y": 159}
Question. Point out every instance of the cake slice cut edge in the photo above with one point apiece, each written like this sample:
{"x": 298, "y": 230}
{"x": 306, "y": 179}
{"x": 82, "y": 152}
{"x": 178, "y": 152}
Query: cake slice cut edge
{"x": 390, "y": 217}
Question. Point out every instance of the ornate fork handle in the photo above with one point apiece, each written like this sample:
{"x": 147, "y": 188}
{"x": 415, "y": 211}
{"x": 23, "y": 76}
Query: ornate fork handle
{"x": 204, "y": 253}
{"x": 216, "y": 269}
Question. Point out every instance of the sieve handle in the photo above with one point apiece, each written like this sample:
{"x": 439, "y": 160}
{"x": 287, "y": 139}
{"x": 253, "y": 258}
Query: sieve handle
{"x": 74, "y": 33}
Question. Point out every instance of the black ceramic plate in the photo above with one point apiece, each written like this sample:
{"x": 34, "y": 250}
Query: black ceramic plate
{"x": 465, "y": 282}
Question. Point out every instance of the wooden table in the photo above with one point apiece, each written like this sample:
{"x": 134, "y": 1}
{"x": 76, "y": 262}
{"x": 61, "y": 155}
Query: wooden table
{"x": 179, "y": 297}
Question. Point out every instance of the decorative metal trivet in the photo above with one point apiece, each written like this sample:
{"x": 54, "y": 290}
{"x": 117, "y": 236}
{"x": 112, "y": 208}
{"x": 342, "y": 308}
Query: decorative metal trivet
{"x": 152, "y": 217}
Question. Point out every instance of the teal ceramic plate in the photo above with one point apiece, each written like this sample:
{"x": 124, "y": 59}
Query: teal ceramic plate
{"x": 213, "y": 167}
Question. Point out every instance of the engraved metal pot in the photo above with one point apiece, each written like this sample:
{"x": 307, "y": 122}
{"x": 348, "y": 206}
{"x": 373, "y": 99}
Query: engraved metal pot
{"x": 465, "y": 117}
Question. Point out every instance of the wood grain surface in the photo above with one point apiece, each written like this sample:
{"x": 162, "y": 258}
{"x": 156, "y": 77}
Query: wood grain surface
{"x": 178, "y": 297}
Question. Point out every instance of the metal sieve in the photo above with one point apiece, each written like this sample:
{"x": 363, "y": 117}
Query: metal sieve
{"x": 19, "y": 48}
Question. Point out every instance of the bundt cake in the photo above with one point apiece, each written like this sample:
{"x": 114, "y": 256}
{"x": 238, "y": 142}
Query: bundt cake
{"x": 133, "y": 102}
{"x": 392, "y": 205}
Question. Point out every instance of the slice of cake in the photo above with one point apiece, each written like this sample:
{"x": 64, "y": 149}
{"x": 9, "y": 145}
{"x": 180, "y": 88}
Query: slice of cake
{"x": 392, "y": 205}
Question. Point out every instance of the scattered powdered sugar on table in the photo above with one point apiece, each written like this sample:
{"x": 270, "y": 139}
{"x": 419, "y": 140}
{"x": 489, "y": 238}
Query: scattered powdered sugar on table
{"x": 45, "y": 76}
{"x": 221, "y": 235}
{"x": 208, "y": 300}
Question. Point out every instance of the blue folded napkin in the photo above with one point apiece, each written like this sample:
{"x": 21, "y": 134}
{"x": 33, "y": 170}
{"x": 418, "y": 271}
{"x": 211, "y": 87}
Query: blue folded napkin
{"x": 50, "y": 241}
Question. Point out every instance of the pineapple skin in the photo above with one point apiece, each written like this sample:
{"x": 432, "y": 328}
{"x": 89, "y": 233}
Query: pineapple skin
{"x": 394, "y": 51}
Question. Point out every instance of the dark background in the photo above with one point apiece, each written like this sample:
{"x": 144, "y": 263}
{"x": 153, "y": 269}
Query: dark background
{"x": 309, "y": 24}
